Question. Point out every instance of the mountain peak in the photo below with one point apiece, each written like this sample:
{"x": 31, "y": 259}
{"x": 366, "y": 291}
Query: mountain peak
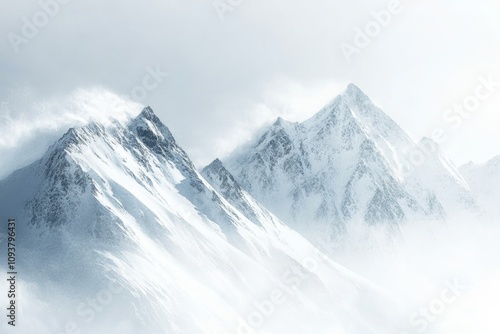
{"x": 351, "y": 101}
{"x": 149, "y": 127}
{"x": 214, "y": 165}
{"x": 148, "y": 113}
{"x": 353, "y": 89}
{"x": 280, "y": 121}
{"x": 355, "y": 94}
{"x": 343, "y": 164}
{"x": 76, "y": 136}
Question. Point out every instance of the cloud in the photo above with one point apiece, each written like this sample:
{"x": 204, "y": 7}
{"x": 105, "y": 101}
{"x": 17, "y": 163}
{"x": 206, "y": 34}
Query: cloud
{"x": 220, "y": 72}
{"x": 29, "y": 124}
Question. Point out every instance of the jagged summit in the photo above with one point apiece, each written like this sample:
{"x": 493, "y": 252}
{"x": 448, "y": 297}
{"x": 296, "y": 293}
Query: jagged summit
{"x": 354, "y": 106}
{"x": 154, "y": 134}
{"x": 219, "y": 177}
{"x": 77, "y": 135}
{"x": 147, "y": 118}
{"x": 346, "y": 163}
{"x": 355, "y": 92}
{"x": 76, "y": 165}
{"x": 214, "y": 165}
{"x": 282, "y": 124}
{"x": 146, "y": 126}
{"x": 147, "y": 114}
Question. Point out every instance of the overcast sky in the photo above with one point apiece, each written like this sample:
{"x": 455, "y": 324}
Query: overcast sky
{"x": 237, "y": 66}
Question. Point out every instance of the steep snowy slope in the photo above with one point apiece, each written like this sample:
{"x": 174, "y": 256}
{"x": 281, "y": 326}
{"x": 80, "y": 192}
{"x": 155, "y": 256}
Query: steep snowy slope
{"x": 440, "y": 178}
{"x": 118, "y": 232}
{"x": 345, "y": 164}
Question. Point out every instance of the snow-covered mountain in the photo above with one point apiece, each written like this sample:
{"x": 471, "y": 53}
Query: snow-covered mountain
{"x": 484, "y": 182}
{"x": 438, "y": 176}
{"x": 347, "y": 164}
{"x": 118, "y": 232}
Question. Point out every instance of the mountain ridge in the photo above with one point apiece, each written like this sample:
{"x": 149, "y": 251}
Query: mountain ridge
{"x": 123, "y": 204}
{"x": 346, "y": 163}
